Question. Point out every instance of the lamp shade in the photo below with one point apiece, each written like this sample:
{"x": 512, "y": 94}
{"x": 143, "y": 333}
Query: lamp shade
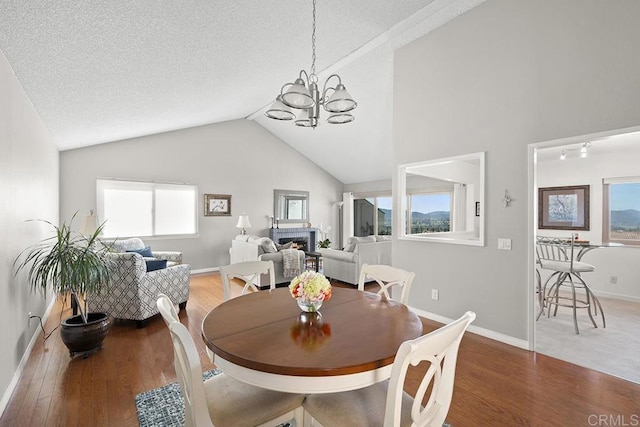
{"x": 279, "y": 110}
{"x": 340, "y": 101}
{"x": 298, "y": 96}
{"x": 243, "y": 222}
{"x": 89, "y": 224}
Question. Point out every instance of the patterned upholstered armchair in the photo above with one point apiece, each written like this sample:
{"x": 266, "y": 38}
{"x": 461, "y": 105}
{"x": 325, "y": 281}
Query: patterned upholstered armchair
{"x": 133, "y": 291}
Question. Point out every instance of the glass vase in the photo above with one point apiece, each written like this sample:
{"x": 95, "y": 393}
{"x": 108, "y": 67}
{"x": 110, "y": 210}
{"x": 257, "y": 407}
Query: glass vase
{"x": 309, "y": 306}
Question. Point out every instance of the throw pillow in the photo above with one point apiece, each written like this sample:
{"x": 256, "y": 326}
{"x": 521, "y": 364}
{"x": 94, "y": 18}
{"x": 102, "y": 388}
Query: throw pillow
{"x": 351, "y": 244}
{"x": 155, "y": 264}
{"x": 268, "y": 246}
{"x": 145, "y": 252}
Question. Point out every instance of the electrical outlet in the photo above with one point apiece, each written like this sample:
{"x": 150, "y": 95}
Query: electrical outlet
{"x": 29, "y": 319}
{"x": 613, "y": 280}
{"x": 434, "y": 294}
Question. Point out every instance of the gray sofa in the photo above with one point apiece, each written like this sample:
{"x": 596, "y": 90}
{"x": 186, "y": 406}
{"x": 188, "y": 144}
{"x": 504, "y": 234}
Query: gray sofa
{"x": 345, "y": 265}
{"x": 246, "y": 247}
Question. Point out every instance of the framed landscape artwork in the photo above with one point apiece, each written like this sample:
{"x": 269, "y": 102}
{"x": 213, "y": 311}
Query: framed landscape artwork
{"x": 217, "y": 205}
{"x": 564, "y": 208}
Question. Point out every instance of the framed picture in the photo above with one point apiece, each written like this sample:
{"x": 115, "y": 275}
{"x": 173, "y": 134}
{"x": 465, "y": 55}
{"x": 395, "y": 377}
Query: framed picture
{"x": 563, "y": 208}
{"x": 217, "y": 205}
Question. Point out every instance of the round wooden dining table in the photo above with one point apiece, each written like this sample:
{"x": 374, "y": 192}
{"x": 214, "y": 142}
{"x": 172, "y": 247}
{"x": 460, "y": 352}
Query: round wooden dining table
{"x": 264, "y": 339}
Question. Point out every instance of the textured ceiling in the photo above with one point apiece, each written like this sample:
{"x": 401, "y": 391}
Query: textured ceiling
{"x": 99, "y": 72}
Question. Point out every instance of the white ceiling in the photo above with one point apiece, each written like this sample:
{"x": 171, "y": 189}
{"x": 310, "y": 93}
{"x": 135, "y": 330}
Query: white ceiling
{"x": 99, "y": 72}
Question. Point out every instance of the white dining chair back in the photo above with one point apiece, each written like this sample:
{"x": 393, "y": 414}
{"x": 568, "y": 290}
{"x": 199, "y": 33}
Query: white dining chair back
{"x": 188, "y": 369}
{"x": 248, "y": 272}
{"x": 440, "y": 349}
{"x": 222, "y": 400}
{"x": 387, "y": 278}
{"x": 386, "y": 403}
{"x": 167, "y": 309}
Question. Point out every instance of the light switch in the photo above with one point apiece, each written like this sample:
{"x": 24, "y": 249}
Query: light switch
{"x": 504, "y": 244}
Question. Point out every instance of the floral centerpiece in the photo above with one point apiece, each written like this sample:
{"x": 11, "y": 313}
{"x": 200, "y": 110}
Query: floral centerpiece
{"x": 310, "y": 289}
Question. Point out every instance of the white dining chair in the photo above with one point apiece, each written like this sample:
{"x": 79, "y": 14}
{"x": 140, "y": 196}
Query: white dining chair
{"x": 386, "y": 403}
{"x": 222, "y": 400}
{"x": 557, "y": 256}
{"x": 167, "y": 309}
{"x": 248, "y": 272}
{"x": 387, "y": 277}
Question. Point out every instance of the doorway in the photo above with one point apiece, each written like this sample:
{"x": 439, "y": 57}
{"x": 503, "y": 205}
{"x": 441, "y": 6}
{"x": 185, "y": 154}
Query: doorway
{"x": 616, "y": 278}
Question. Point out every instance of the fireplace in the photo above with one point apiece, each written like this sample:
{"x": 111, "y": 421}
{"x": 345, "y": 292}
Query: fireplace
{"x": 302, "y": 236}
{"x": 301, "y": 243}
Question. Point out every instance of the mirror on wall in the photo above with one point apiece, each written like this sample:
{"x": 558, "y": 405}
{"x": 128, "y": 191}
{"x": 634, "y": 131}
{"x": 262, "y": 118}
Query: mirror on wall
{"x": 443, "y": 200}
{"x": 290, "y": 206}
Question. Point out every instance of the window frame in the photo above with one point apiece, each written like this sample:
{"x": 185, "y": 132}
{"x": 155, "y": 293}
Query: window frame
{"x": 103, "y": 184}
{"x": 430, "y": 191}
{"x": 375, "y": 196}
{"x": 606, "y": 210}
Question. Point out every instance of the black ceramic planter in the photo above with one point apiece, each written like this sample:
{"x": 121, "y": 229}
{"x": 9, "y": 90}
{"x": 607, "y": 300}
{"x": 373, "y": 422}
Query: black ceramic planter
{"x": 82, "y": 337}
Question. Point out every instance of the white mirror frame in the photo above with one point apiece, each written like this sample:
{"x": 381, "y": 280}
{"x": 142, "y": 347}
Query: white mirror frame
{"x": 471, "y": 238}
{"x": 280, "y": 198}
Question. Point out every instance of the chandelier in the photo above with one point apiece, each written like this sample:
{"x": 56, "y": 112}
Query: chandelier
{"x": 303, "y": 95}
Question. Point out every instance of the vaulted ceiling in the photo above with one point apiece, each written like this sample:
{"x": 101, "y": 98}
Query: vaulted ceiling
{"x": 98, "y": 72}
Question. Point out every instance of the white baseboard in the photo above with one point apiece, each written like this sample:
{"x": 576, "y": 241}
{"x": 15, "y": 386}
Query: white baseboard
{"x": 616, "y": 296}
{"x": 487, "y": 333}
{"x": 23, "y": 361}
{"x": 205, "y": 270}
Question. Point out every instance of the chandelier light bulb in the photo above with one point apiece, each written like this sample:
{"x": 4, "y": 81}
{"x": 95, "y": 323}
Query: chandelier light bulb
{"x": 563, "y": 155}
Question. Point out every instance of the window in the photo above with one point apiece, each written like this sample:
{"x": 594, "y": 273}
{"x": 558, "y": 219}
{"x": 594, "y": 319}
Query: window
{"x": 372, "y": 216}
{"x": 621, "y": 216}
{"x": 429, "y": 212}
{"x": 144, "y": 209}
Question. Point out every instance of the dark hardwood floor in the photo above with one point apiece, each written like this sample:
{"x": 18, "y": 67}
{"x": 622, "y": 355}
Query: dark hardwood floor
{"x": 496, "y": 384}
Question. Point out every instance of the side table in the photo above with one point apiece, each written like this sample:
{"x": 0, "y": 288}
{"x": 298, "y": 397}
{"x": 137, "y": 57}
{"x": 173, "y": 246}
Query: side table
{"x": 314, "y": 258}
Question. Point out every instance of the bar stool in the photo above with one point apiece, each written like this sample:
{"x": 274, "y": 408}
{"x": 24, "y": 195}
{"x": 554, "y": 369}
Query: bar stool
{"x": 557, "y": 255}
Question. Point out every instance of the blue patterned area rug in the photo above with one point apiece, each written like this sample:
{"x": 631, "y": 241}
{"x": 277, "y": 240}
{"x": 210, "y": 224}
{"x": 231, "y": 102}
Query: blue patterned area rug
{"x": 164, "y": 406}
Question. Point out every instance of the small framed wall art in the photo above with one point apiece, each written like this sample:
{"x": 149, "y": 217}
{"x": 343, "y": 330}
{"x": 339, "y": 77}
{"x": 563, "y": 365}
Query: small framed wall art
{"x": 217, "y": 205}
{"x": 563, "y": 208}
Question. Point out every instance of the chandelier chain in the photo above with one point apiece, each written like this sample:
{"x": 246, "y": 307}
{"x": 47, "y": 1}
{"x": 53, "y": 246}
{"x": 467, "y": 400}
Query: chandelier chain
{"x": 313, "y": 41}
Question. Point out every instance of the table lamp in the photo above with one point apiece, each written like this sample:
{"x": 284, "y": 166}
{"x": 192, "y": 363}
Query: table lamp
{"x": 243, "y": 223}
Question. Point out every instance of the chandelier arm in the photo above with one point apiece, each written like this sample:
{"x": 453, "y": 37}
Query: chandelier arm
{"x": 304, "y": 76}
{"x": 284, "y": 86}
{"x": 325, "y": 88}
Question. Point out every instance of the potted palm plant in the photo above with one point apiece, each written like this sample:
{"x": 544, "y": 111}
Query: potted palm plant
{"x": 73, "y": 266}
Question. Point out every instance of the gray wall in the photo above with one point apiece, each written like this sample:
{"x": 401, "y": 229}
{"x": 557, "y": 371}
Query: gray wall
{"x": 504, "y": 75}
{"x": 239, "y": 158}
{"x": 28, "y": 190}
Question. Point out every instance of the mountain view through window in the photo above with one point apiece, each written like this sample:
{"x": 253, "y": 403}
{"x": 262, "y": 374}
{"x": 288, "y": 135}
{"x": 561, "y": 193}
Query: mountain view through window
{"x": 624, "y": 203}
{"x": 430, "y": 213}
